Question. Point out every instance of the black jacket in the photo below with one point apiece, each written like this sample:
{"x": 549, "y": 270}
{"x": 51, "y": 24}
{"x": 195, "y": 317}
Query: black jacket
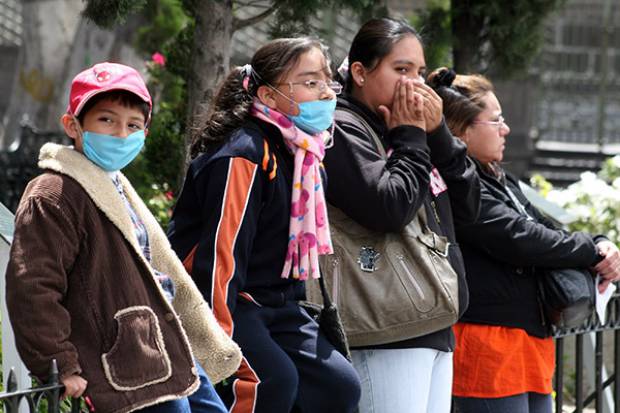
{"x": 385, "y": 195}
{"x": 505, "y": 250}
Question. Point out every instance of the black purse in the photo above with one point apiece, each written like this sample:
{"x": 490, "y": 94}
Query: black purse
{"x": 329, "y": 321}
{"x": 568, "y": 296}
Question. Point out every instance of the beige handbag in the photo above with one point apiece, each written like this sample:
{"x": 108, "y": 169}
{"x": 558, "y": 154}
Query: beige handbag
{"x": 388, "y": 287}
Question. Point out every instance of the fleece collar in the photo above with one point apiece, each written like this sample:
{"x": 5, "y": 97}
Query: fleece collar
{"x": 100, "y": 188}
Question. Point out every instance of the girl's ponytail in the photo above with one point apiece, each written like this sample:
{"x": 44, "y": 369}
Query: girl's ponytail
{"x": 229, "y": 109}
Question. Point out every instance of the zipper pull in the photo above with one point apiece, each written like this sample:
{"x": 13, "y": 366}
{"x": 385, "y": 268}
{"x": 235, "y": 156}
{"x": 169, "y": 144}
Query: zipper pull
{"x": 434, "y": 207}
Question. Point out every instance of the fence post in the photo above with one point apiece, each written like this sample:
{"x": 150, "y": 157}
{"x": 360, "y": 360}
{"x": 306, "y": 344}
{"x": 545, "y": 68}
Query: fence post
{"x": 10, "y": 358}
{"x": 596, "y": 372}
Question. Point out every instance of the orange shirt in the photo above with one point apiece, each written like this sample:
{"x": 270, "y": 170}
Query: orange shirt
{"x": 496, "y": 361}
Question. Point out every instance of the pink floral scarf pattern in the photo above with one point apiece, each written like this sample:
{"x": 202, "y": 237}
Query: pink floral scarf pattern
{"x": 308, "y": 226}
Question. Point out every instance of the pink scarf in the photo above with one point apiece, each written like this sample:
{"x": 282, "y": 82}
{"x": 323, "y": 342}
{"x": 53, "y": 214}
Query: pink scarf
{"x": 308, "y": 225}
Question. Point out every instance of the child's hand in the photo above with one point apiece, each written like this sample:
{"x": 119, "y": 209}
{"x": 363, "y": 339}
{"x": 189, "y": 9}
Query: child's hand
{"x": 407, "y": 106}
{"x": 74, "y": 386}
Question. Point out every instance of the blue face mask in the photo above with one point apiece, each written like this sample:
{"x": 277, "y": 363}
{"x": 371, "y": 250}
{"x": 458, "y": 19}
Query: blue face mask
{"x": 112, "y": 153}
{"x": 315, "y": 116}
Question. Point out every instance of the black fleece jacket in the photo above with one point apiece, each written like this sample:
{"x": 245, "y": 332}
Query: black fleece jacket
{"x": 430, "y": 171}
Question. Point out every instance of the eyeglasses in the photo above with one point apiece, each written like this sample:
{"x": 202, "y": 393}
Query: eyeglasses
{"x": 497, "y": 123}
{"x": 315, "y": 85}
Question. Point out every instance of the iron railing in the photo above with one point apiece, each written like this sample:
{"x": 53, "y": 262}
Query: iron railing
{"x": 44, "y": 398}
{"x": 18, "y": 163}
{"x": 583, "y": 399}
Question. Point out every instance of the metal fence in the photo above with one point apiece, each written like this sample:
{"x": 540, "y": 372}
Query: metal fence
{"x": 605, "y": 394}
{"x": 18, "y": 163}
{"x": 45, "y": 398}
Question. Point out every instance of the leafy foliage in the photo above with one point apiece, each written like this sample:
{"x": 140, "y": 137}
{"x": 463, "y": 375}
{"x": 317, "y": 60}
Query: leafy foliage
{"x": 292, "y": 17}
{"x": 594, "y": 200}
{"x": 434, "y": 25}
{"x": 166, "y": 18}
{"x": 106, "y": 13}
{"x": 486, "y": 36}
{"x": 513, "y": 31}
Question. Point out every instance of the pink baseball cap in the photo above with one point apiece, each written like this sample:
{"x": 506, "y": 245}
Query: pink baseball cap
{"x": 104, "y": 77}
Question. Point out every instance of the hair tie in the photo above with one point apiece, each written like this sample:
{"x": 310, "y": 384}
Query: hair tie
{"x": 246, "y": 73}
{"x": 343, "y": 69}
{"x": 446, "y": 77}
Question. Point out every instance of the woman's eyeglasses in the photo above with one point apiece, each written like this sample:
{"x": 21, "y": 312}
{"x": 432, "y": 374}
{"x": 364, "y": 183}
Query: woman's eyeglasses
{"x": 497, "y": 123}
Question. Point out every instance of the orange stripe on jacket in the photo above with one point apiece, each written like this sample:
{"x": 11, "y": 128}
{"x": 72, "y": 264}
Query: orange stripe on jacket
{"x": 265, "y": 154}
{"x": 188, "y": 262}
{"x": 236, "y": 194}
{"x": 272, "y": 174}
{"x": 244, "y": 389}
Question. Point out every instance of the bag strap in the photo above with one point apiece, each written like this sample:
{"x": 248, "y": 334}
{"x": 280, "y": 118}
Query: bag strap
{"x": 327, "y": 301}
{"x": 347, "y": 115}
{"x": 432, "y": 239}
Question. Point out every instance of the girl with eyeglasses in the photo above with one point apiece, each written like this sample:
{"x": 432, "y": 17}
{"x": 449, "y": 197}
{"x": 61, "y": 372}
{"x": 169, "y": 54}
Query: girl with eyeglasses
{"x": 385, "y": 95}
{"x": 504, "y": 357}
{"x": 251, "y": 222}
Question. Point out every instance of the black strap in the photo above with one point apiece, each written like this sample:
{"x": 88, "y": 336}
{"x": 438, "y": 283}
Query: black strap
{"x": 347, "y": 115}
{"x": 327, "y": 302}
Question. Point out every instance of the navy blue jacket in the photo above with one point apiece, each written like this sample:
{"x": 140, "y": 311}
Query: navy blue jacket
{"x": 230, "y": 224}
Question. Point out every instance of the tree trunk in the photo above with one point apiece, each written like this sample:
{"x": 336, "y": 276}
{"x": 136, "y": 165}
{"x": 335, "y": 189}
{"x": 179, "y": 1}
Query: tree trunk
{"x": 466, "y": 43}
{"x": 210, "y": 60}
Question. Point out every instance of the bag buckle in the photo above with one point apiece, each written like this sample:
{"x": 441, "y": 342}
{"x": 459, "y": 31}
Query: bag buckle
{"x": 368, "y": 259}
{"x": 441, "y": 247}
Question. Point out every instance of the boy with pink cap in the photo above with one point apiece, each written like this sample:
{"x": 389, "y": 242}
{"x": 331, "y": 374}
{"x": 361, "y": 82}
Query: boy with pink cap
{"x": 92, "y": 281}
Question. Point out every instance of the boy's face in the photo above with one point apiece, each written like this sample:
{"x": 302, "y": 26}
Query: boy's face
{"x": 107, "y": 117}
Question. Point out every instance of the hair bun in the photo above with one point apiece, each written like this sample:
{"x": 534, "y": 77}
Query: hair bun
{"x": 446, "y": 77}
{"x": 442, "y": 77}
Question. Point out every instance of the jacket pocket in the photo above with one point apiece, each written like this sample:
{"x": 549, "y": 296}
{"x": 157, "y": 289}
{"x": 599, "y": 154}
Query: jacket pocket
{"x": 138, "y": 357}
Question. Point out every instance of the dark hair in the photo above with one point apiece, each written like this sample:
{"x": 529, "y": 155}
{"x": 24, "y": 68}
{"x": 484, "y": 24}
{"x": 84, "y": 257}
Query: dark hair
{"x": 232, "y": 101}
{"x": 124, "y": 97}
{"x": 462, "y": 97}
{"x": 375, "y": 40}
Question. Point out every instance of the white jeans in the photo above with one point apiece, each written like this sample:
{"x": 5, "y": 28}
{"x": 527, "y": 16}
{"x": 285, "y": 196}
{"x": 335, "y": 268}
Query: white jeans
{"x": 414, "y": 380}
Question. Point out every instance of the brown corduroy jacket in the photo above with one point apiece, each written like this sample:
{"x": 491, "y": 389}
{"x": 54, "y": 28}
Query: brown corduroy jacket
{"x": 80, "y": 291}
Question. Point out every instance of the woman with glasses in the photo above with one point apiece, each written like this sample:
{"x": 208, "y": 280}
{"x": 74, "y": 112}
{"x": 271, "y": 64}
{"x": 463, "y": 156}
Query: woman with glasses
{"x": 250, "y": 224}
{"x": 504, "y": 357}
{"x": 426, "y": 167}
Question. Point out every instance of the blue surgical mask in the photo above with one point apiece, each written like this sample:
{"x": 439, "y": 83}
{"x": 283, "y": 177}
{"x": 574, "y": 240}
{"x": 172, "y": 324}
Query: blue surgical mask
{"x": 315, "y": 116}
{"x": 112, "y": 153}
